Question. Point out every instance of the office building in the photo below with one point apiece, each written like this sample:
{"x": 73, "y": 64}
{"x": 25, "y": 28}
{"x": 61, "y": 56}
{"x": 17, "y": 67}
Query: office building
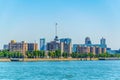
{"x": 66, "y": 45}
{"x": 87, "y": 41}
{"x": 103, "y": 43}
{"x": 21, "y": 47}
{"x": 74, "y": 48}
{"x": 42, "y": 44}
{"x": 5, "y": 47}
{"x": 53, "y": 45}
{"x": 32, "y": 47}
{"x": 90, "y": 49}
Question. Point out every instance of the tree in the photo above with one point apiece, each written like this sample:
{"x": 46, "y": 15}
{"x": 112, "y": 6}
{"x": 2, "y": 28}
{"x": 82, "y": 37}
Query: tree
{"x": 116, "y": 55}
{"x": 42, "y": 54}
{"x": 57, "y": 53}
{"x": 103, "y": 55}
{"x": 84, "y": 55}
{"x": 65, "y": 55}
{"x": 80, "y": 55}
{"x": 74, "y": 55}
{"x": 49, "y": 54}
{"x": 1, "y": 54}
{"x": 29, "y": 54}
{"x": 90, "y": 55}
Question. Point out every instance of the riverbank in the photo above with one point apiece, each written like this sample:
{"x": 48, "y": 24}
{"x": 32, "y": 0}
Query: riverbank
{"x": 5, "y": 60}
{"x": 47, "y": 59}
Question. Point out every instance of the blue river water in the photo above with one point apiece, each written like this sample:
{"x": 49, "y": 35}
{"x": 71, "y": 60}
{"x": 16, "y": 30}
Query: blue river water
{"x": 60, "y": 70}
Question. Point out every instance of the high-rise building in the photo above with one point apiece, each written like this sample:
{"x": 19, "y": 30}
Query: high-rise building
{"x": 74, "y": 48}
{"x": 103, "y": 43}
{"x": 87, "y": 41}
{"x": 5, "y": 47}
{"x": 92, "y": 50}
{"x": 32, "y": 47}
{"x": 53, "y": 45}
{"x": 89, "y": 49}
{"x": 42, "y": 44}
{"x": 98, "y": 50}
{"x": 83, "y": 49}
{"x": 66, "y": 45}
{"x": 104, "y": 50}
{"x": 21, "y": 47}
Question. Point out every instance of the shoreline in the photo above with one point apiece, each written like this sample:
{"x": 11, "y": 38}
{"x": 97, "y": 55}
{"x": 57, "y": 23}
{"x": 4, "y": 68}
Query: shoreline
{"x": 53, "y": 59}
{"x": 47, "y": 59}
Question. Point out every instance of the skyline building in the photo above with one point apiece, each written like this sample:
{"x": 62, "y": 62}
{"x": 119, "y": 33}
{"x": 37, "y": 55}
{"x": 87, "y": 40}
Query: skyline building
{"x": 5, "y": 47}
{"x": 74, "y": 48}
{"x": 32, "y": 47}
{"x": 18, "y": 47}
{"x": 42, "y": 44}
{"x": 103, "y": 43}
{"x": 22, "y": 46}
{"x": 88, "y": 47}
{"x": 87, "y": 41}
{"x": 66, "y": 45}
{"x": 53, "y": 45}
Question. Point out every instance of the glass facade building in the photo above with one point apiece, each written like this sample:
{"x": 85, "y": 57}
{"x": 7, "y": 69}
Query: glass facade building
{"x": 42, "y": 44}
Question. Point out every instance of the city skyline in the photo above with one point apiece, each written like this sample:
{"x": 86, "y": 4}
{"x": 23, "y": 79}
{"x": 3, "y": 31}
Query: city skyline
{"x": 28, "y": 20}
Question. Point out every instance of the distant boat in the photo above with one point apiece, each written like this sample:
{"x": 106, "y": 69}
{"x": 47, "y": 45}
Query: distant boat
{"x": 16, "y": 59}
{"x": 112, "y": 58}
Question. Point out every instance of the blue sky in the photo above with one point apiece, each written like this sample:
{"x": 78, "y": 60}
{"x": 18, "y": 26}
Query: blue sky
{"x": 30, "y": 20}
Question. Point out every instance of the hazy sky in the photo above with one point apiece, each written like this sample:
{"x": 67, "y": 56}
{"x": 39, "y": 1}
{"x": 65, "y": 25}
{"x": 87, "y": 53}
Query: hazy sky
{"x": 31, "y": 20}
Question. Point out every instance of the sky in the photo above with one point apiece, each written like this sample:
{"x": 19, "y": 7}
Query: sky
{"x": 30, "y": 20}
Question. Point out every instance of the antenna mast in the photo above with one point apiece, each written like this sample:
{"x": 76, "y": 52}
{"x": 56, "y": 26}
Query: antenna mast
{"x": 56, "y": 37}
{"x": 56, "y": 29}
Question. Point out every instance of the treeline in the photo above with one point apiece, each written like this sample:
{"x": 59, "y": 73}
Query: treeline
{"x": 91, "y": 55}
{"x": 35, "y": 54}
{"x": 50, "y": 54}
{"x": 53, "y": 54}
{"x": 7, "y": 54}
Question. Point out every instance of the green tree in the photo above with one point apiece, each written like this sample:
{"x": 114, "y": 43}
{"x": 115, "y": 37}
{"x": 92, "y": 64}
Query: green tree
{"x": 90, "y": 55}
{"x": 29, "y": 54}
{"x": 84, "y": 55}
{"x": 35, "y": 54}
{"x": 65, "y": 55}
{"x": 1, "y": 54}
{"x": 42, "y": 54}
{"x": 74, "y": 55}
{"x": 51, "y": 54}
{"x": 57, "y": 53}
{"x": 103, "y": 55}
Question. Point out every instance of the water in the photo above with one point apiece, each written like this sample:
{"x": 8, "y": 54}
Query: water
{"x": 60, "y": 70}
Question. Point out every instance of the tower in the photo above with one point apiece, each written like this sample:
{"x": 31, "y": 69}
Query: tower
{"x": 56, "y": 37}
{"x": 66, "y": 45}
{"x": 42, "y": 44}
{"x": 87, "y": 41}
{"x": 103, "y": 42}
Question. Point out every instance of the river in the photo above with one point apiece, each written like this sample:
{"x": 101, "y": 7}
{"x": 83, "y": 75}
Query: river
{"x": 60, "y": 70}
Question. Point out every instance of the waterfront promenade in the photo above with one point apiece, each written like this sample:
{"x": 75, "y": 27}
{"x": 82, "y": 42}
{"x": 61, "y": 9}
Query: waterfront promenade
{"x": 47, "y": 59}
